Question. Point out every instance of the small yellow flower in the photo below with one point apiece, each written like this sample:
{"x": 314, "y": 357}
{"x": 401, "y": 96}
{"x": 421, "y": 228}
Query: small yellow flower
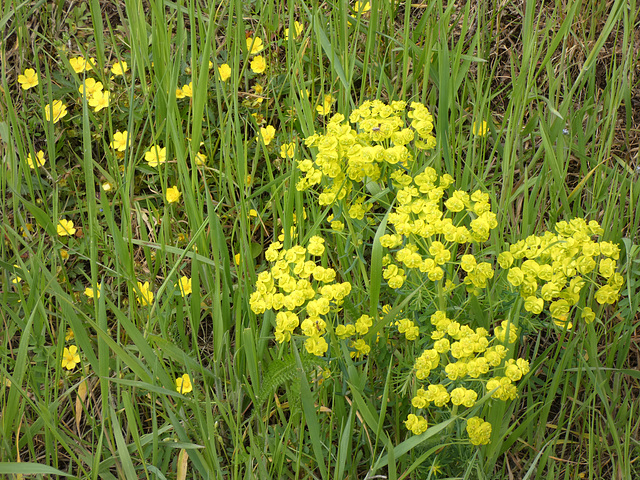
{"x": 37, "y": 162}
{"x": 145, "y": 296}
{"x": 184, "y": 284}
{"x": 156, "y": 155}
{"x": 93, "y": 292}
{"x": 298, "y": 27}
{"x": 29, "y": 79}
{"x": 267, "y": 134}
{"x": 173, "y": 194}
{"x": 120, "y": 141}
{"x": 70, "y": 335}
{"x": 70, "y": 357}
{"x": 200, "y": 159}
{"x": 224, "y": 71}
{"x": 119, "y": 68}
{"x": 99, "y": 100}
{"x": 254, "y": 45}
{"x": 64, "y": 254}
{"x": 258, "y": 64}
{"x": 362, "y": 7}
{"x": 253, "y": 213}
{"x": 236, "y": 258}
{"x": 183, "y": 384}
{"x": 55, "y": 111}
{"x": 480, "y": 129}
{"x": 79, "y": 64}
{"x": 187, "y": 90}
{"x": 107, "y": 187}
{"x": 16, "y": 279}
{"x": 287, "y": 150}
{"x": 179, "y": 93}
{"x": 65, "y": 227}
{"x": 325, "y": 108}
{"x": 91, "y": 85}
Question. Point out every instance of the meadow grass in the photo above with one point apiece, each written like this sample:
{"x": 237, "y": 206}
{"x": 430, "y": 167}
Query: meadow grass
{"x": 534, "y": 104}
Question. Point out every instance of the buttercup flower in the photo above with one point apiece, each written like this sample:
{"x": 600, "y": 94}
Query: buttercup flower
{"x": 36, "y": 162}
{"x": 362, "y": 7}
{"x": 156, "y": 155}
{"x": 184, "y": 284}
{"x": 29, "y": 79}
{"x": 92, "y": 86}
{"x": 258, "y": 64}
{"x": 267, "y": 134}
{"x": 70, "y": 335}
{"x": 480, "y": 129}
{"x": 254, "y": 45}
{"x": 325, "y": 108}
{"x": 224, "y": 71}
{"x": 120, "y": 141}
{"x": 119, "y": 68}
{"x": 183, "y": 384}
{"x": 99, "y": 100}
{"x": 55, "y": 111}
{"x": 70, "y": 357}
{"x": 93, "y": 292}
{"x": 298, "y": 27}
{"x": 79, "y": 64}
{"x": 145, "y": 296}
{"x": 65, "y": 227}
{"x": 187, "y": 90}
{"x": 173, "y": 194}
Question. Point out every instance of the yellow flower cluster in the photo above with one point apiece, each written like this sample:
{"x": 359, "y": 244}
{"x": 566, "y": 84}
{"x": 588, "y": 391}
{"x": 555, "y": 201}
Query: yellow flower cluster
{"x": 377, "y": 145}
{"x": 555, "y": 267}
{"x": 464, "y": 352}
{"x": 419, "y": 216}
{"x": 295, "y": 286}
{"x": 479, "y": 431}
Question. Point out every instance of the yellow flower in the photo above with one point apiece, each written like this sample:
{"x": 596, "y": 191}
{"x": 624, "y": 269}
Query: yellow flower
{"x": 65, "y": 227}
{"x": 254, "y": 45}
{"x": 179, "y": 93}
{"x": 298, "y": 27}
{"x": 173, "y": 194}
{"x": 287, "y": 150}
{"x": 91, "y": 85}
{"x": 184, "y": 284}
{"x": 120, "y": 141}
{"x": 93, "y": 292}
{"x": 106, "y": 186}
{"x": 70, "y": 357}
{"x": 236, "y": 258}
{"x": 480, "y": 129}
{"x": 224, "y": 71}
{"x": 267, "y": 134}
{"x": 17, "y": 279}
{"x": 79, "y": 64}
{"x": 258, "y": 64}
{"x": 187, "y": 90}
{"x": 362, "y": 7}
{"x": 55, "y": 111}
{"x": 99, "y": 100}
{"x": 156, "y": 155}
{"x": 119, "y": 68}
{"x": 64, "y": 254}
{"x": 70, "y": 335}
{"x": 183, "y": 384}
{"x": 325, "y": 108}
{"x": 145, "y": 296}
{"x": 200, "y": 159}
{"x": 28, "y": 79}
{"x": 37, "y": 162}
